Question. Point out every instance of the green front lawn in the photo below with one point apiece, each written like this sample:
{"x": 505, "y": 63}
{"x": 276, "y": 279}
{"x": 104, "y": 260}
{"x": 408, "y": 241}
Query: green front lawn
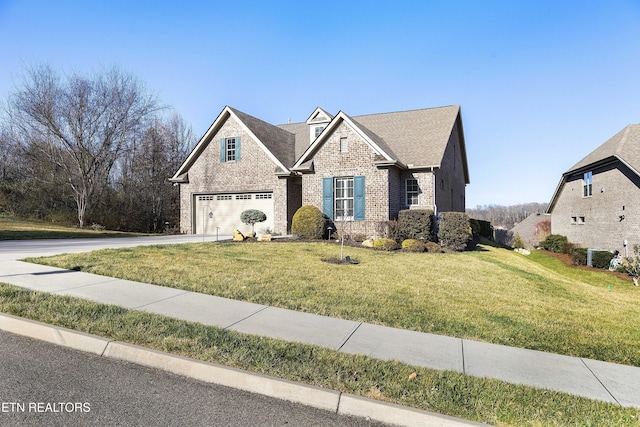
{"x": 12, "y": 228}
{"x": 492, "y": 295}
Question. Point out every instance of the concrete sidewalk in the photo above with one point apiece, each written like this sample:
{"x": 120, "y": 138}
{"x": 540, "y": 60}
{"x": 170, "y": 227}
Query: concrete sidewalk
{"x": 594, "y": 379}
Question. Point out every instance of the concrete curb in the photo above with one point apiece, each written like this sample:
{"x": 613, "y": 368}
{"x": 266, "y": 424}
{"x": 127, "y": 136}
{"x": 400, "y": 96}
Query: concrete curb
{"x": 316, "y": 397}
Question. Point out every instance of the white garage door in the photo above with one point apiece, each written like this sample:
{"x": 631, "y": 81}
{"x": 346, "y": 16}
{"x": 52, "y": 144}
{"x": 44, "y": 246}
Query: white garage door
{"x": 223, "y": 211}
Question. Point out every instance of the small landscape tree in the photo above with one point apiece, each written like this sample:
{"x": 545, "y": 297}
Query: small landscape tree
{"x": 252, "y": 216}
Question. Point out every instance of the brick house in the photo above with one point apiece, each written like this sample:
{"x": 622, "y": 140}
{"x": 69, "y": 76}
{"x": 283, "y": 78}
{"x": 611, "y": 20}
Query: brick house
{"x": 596, "y": 203}
{"x": 359, "y": 171}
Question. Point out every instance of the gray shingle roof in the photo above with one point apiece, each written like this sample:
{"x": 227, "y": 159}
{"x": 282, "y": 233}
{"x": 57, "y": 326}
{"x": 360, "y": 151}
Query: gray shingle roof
{"x": 624, "y": 145}
{"x": 417, "y": 137}
{"x": 280, "y": 142}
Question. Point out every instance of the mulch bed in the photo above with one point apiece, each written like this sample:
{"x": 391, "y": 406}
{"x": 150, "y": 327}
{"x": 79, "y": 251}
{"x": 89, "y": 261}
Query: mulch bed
{"x": 566, "y": 260}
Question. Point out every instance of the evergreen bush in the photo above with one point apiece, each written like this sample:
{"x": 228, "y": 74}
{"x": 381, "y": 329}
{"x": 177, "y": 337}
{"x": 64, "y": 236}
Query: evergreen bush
{"x": 601, "y": 259}
{"x": 486, "y": 230}
{"x": 309, "y": 223}
{"x": 413, "y": 245}
{"x": 555, "y": 243}
{"x": 579, "y": 256}
{"x": 416, "y": 224}
{"x": 385, "y": 244}
{"x": 454, "y": 230}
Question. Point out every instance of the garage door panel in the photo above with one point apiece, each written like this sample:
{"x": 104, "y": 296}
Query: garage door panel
{"x": 223, "y": 211}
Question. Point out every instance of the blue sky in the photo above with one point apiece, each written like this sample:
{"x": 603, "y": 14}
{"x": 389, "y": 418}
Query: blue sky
{"x": 541, "y": 83}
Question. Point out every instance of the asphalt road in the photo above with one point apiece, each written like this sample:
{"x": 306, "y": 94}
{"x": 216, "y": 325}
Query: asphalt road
{"x": 42, "y": 384}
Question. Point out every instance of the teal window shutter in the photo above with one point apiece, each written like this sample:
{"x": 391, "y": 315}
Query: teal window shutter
{"x": 223, "y": 150}
{"x": 327, "y": 197}
{"x": 237, "y": 148}
{"x": 358, "y": 198}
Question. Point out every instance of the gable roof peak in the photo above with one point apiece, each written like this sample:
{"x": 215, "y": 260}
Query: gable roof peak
{"x": 319, "y": 115}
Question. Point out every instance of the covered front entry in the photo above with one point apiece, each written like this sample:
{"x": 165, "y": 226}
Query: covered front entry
{"x": 221, "y": 212}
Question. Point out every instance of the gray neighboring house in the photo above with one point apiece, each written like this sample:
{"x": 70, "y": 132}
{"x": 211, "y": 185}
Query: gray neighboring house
{"x": 597, "y": 202}
{"x": 528, "y": 229}
{"x": 359, "y": 170}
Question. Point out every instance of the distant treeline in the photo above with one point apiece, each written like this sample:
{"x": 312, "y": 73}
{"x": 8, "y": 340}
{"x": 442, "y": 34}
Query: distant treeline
{"x": 506, "y": 216}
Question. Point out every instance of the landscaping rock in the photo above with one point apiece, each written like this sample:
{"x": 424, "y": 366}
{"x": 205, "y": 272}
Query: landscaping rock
{"x": 238, "y": 236}
{"x": 264, "y": 238}
{"x": 368, "y": 243}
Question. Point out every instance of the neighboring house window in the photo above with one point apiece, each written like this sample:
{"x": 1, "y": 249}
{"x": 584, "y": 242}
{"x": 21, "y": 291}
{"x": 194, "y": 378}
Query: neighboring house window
{"x": 581, "y": 220}
{"x": 412, "y": 192}
{"x": 574, "y": 219}
{"x": 343, "y": 198}
{"x": 588, "y": 184}
{"x": 230, "y": 149}
{"x": 318, "y": 130}
{"x": 344, "y": 145}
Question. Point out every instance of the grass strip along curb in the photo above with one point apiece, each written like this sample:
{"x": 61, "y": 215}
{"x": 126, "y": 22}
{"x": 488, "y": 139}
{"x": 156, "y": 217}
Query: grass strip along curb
{"x": 317, "y": 397}
{"x": 450, "y": 393}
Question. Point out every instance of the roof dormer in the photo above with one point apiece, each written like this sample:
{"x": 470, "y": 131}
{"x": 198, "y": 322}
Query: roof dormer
{"x": 317, "y": 121}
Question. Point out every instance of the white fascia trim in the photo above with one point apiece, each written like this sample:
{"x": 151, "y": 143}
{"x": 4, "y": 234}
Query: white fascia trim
{"x": 366, "y": 139}
{"x": 199, "y": 146}
{"x": 206, "y": 138}
{"x": 329, "y": 128}
{"x": 318, "y": 110}
{"x": 260, "y": 144}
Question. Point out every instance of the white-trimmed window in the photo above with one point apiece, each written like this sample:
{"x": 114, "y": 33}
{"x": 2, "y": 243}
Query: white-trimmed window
{"x": 413, "y": 191}
{"x": 344, "y": 145}
{"x": 344, "y": 198}
{"x": 317, "y": 131}
{"x": 587, "y": 184}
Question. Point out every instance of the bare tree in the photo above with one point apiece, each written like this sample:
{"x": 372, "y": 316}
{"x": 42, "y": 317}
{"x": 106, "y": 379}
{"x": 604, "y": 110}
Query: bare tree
{"x": 79, "y": 124}
{"x": 149, "y": 198}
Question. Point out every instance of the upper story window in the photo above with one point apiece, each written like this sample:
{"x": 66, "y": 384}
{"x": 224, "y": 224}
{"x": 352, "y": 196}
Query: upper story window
{"x": 230, "y": 149}
{"x": 587, "y": 184}
{"x": 412, "y": 191}
{"x": 317, "y": 131}
{"x": 344, "y": 145}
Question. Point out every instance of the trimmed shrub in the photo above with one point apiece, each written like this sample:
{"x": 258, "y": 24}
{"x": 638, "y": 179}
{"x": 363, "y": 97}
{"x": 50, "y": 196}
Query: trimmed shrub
{"x": 579, "y": 256}
{"x": 555, "y": 243}
{"x": 475, "y": 227}
{"x": 385, "y": 244}
{"x": 413, "y": 245}
{"x": 454, "y": 231}
{"x": 308, "y": 223}
{"x": 416, "y": 224}
{"x": 601, "y": 259}
{"x": 252, "y": 216}
{"x": 486, "y": 230}
{"x": 433, "y": 247}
